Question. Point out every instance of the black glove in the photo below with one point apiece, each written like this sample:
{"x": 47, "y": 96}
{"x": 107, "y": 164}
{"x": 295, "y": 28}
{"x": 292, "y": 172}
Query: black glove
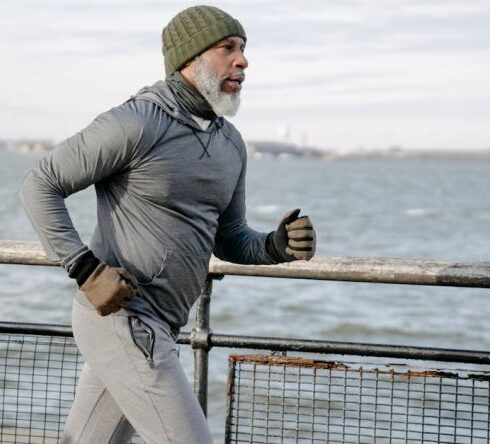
{"x": 294, "y": 239}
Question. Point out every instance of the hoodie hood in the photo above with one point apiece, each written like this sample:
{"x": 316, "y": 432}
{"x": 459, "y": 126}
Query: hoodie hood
{"x": 161, "y": 95}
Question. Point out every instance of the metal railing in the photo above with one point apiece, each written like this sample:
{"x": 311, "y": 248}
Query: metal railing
{"x": 355, "y": 269}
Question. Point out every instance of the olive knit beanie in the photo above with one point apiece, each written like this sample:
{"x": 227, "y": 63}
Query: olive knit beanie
{"x": 194, "y": 30}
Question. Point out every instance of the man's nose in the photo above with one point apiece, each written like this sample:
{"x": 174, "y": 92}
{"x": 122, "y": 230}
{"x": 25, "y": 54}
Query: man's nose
{"x": 241, "y": 61}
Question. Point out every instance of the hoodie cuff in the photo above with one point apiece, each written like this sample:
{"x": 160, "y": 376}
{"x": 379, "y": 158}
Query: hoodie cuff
{"x": 83, "y": 267}
{"x": 271, "y": 250}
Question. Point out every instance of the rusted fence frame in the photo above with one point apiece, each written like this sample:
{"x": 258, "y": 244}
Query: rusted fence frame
{"x": 275, "y": 399}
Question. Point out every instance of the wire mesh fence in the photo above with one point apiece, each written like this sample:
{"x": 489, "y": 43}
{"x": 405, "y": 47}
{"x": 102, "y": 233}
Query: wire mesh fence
{"x": 38, "y": 377}
{"x": 294, "y": 400}
{"x": 271, "y": 399}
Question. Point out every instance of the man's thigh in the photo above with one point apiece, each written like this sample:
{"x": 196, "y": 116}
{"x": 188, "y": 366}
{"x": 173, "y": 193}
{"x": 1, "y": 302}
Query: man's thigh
{"x": 136, "y": 360}
{"x": 95, "y": 418}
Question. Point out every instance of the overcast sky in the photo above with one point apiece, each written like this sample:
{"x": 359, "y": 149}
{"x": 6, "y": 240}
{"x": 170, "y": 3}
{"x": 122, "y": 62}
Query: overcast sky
{"x": 339, "y": 73}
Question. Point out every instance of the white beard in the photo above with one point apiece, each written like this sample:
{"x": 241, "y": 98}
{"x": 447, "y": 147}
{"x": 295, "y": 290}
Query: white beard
{"x": 209, "y": 85}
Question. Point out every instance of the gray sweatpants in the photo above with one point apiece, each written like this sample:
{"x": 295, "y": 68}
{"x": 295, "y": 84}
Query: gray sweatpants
{"x": 131, "y": 378}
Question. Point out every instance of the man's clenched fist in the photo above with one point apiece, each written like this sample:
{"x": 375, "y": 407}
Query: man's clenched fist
{"x": 109, "y": 289}
{"x": 294, "y": 239}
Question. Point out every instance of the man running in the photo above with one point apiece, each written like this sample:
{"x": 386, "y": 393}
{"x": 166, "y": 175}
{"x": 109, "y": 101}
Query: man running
{"x": 169, "y": 174}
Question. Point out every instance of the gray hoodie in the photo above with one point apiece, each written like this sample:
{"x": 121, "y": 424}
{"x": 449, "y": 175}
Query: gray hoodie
{"x": 168, "y": 195}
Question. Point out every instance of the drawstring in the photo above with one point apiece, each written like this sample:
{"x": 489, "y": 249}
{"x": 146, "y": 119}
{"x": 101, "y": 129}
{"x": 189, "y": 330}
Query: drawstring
{"x": 204, "y": 147}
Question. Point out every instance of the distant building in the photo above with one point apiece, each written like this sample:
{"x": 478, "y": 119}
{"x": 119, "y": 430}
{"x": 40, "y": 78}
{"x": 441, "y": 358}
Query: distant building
{"x": 281, "y": 150}
{"x": 27, "y": 146}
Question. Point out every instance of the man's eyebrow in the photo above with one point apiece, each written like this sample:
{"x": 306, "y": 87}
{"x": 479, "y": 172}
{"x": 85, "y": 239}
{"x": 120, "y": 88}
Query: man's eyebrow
{"x": 232, "y": 41}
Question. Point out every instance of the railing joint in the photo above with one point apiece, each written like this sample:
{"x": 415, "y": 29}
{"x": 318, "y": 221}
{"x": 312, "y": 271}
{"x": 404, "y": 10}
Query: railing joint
{"x": 279, "y": 353}
{"x": 200, "y": 339}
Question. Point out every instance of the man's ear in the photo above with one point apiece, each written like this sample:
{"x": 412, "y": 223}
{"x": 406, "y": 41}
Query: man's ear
{"x": 186, "y": 70}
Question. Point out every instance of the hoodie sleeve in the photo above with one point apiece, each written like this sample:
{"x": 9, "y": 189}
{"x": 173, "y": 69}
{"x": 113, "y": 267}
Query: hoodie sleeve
{"x": 235, "y": 241}
{"x": 104, "y": 148}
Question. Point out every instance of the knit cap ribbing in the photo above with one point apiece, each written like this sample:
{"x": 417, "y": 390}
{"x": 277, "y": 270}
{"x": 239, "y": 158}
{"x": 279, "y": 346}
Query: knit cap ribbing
{"x": 194, "y": 30}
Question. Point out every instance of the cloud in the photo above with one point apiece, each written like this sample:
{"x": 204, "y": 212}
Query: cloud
{"x": 361, "y": 61}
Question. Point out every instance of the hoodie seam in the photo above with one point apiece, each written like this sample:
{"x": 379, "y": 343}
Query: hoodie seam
{"x": 139, "y": 154}
{"x": 239, "y": 150}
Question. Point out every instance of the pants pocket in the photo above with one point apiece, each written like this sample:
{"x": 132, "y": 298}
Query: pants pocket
{"x": 143, "y": 337}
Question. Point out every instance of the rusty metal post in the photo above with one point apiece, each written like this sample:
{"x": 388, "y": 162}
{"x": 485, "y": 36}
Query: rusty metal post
{"x": 200, "y": 343}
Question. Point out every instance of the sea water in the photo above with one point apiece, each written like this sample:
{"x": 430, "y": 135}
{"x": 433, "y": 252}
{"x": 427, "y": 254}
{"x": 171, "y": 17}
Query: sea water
{"x": 390, "y": 207}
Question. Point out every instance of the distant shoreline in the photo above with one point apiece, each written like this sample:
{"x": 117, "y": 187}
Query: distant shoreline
{"x": 285, "y": 150}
